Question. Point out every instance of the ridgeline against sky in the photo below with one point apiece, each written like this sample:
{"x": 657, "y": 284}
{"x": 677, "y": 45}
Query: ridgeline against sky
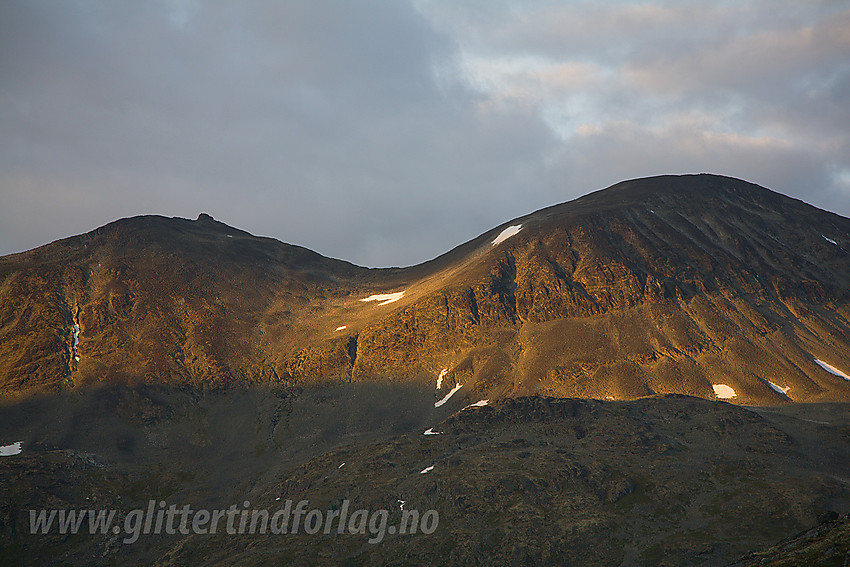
{"x": 700, "y": 285}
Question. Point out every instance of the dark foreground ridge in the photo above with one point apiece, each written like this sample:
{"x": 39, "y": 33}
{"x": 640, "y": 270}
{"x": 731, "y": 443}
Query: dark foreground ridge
{"x": 826, "y": 544}
{"x": 666, "y": 480}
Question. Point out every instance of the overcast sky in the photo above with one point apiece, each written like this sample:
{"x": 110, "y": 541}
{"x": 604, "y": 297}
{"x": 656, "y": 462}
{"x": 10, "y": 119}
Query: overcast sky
{"x": 385, "y": 132}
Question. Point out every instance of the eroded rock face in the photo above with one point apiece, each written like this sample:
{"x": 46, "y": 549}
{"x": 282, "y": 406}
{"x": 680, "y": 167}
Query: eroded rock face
{"x": 661, "y": 285}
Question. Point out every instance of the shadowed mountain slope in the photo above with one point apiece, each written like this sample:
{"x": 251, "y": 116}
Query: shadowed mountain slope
{"x": 663, "y": 481}
{"x": 670, "y": 284}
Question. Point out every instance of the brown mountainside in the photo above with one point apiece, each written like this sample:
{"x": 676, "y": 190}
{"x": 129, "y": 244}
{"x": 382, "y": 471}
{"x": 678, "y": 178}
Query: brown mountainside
{"x": 660, "y": 285}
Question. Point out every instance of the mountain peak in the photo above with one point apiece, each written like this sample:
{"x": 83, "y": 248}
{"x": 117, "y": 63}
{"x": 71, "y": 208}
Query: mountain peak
{"x": 695, "y": 187}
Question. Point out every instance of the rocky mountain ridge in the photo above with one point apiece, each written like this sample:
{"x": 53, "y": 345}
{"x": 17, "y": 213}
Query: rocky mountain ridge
{"x": 672, "y": 284}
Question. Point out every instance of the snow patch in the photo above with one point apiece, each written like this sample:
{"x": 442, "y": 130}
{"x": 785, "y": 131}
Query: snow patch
{"x": 426, "y": 470}
{"x": 831, "y": 241}
{"x": 75, "y": 340}
{"x": 384, "y": 298}
{"x": 430, "y": 431}
{"x": 505, "y": 234}
{"x": 723, "y": 391}
{"x": 13, "y": 449}
{"x": 340, "y": 466}
{"x": 778, "y": 389}
{"x": 478, "y": 404}
{"x": 229, "y": 236}
{"x": 449, "y": 395}
{"x": 401, "y": 503}
{"x": 831, "y": 369}
{"x": 443, "y": 372}
{"x": 341, "y": 327}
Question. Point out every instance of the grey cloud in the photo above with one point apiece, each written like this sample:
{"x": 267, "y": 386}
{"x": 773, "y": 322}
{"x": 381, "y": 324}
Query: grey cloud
{"x": 350, "y": 128}
{"x": 317, "y": 123}
{"x": 765, "y": 61}
{"x": 775, "y": 72}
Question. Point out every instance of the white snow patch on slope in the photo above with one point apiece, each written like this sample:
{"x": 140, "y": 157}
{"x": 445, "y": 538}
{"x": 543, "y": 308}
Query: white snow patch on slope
{"x": 505, "y": 234}
{"x": 426, "y": 470}
{"x": 831, "y": 241}
{"x": 341, "y": 327}
{"x": 430, "y": 431}
{"x": 401, "y": 503}
{"x": 779, "y": 389}
{"x": 478, "y": 404}
{"x": 340, "y": 466}
{"x": 449, "y": 395}
{"x": 13, "y": 449}
{"x": 443, "y": 372}
{"x": 831, "y": 369}
{"x": 384, "y": 298}
{"x": 76, "y": 341}
{"x": 723, "y": 391}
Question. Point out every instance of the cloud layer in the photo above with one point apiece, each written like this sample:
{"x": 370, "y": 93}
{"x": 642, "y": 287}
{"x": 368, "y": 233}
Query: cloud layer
{"x": 387, "y": 132}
